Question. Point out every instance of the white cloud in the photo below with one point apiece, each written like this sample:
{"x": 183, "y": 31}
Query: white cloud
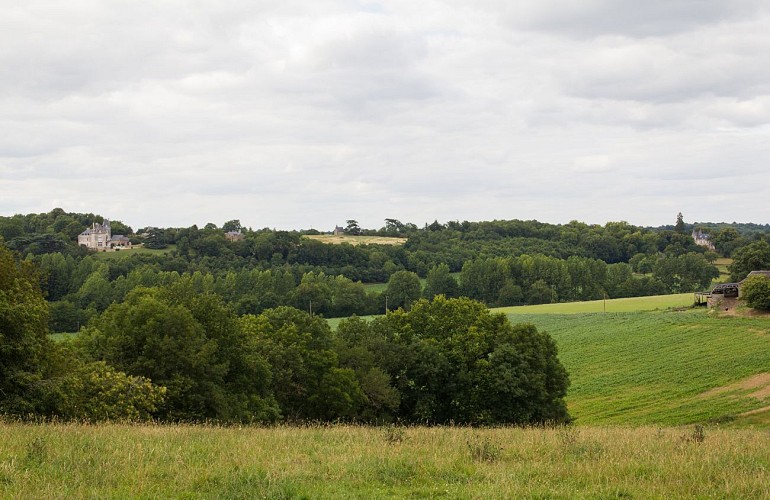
{"x": 298, "y": 114}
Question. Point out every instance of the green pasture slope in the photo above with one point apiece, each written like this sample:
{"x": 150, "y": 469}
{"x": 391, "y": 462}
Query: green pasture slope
{"x": 631, "y": 304}
{"x": 662, "y": 367}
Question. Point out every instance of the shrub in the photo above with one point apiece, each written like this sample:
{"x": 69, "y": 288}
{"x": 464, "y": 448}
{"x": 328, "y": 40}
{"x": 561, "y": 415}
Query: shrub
{"x": 756, "y": 292}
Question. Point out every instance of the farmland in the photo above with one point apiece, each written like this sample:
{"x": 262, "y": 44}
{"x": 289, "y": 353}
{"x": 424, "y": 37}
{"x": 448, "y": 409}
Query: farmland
{"x": 662, "y": 368}
{"x": 630, "y": 304}
{"x": 336, "y": 239}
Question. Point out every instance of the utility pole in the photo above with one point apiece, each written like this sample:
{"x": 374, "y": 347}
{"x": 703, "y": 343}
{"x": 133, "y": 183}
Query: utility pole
{"x": 311, "y": 307}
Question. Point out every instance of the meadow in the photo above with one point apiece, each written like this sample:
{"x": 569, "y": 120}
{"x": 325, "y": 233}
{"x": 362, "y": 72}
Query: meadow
{"x": 148, "y": 461}
{"x": 122, "y": 254}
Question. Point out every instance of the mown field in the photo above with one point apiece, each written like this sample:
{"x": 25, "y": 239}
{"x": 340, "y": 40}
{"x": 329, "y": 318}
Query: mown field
{"x": 356, "y": 240}
{"x": 123, "y": 461}
{"x": 663, "y": 368}
{"x": 120, "y": 254}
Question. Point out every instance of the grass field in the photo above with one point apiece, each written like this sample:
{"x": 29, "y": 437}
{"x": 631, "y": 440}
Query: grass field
{"x": 663, "y": 368}
{"x": 123, "y": 461}
{"x": 356, "y": 240}
{"x": 122, "y": 254}
{"x": 640, "y": 382}
{"x": 724, "y": 274}
{"x": 631, "y": 304}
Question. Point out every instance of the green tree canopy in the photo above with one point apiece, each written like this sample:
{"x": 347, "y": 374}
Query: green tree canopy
{"x": 403, "y": 289}
{"x": 454, "y": 361}
{"x": 24, "y": 344}
{"x": 190, "y": 343}
{"x": 756, "y": 292}
{"x": 753, "y": 257}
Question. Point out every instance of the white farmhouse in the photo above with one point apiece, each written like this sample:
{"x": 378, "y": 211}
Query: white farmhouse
{"x": 100, "y": 237}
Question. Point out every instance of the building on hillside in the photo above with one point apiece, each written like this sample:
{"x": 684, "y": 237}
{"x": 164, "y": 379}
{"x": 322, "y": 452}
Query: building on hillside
{"x": 99, "y": 237}
{"x": 703, "y": 239}
{"x": 726, "y": 296}
{"x": 234, "y": 236}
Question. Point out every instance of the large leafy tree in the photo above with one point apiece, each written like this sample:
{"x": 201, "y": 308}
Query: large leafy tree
{"x": 308, "y": 382}
{"x": 753, "y": 257}
{"x": 193, "y": 345}
{"x": 403, "y": 289}
{"x": 440, "y": 282}
{"x": 454, "y": 361}
{"x": 24, "y": 345}
{"x": 756, "y": 292}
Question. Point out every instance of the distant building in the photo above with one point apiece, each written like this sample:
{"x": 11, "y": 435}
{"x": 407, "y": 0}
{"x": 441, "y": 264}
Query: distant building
{"x": 724, "y": 296}
{"x": 338, "y": 231}
{"x": 234, "y": 236}
{"x": 99, "y": 237}
{"x": 703, "y": 239}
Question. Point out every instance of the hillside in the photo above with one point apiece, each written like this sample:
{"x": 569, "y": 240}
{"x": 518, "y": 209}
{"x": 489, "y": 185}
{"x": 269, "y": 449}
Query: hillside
{"x": 664, "y": 368}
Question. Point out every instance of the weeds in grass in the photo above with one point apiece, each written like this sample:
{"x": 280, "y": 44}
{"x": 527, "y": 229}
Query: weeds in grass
{"x": 394, "y": 434}
{"x": 37, "y": 451}
{"x": 482, "y": 449}
{"x": 572, "y": 444}
{"x": 698, "y": 435}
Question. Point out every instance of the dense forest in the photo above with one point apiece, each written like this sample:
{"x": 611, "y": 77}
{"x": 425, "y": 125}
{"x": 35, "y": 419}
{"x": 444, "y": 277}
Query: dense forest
{"x": 195, "y": 326}
{"x": 499, "y": 263}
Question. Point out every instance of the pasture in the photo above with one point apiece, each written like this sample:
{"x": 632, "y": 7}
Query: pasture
{"x": 149, "y": 461}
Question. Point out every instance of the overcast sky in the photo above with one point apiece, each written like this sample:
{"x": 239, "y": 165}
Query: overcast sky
{"x": 302, "y": 114}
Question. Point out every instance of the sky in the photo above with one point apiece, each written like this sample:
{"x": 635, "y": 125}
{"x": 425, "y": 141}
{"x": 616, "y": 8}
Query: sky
{"x": 300, "y": 114}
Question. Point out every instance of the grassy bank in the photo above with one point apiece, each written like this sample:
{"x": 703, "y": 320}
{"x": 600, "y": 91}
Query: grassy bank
{"x": 114, "y": 461}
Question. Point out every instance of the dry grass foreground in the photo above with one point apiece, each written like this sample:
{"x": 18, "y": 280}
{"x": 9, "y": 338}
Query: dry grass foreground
{"x": 356, "y": 240}
{"x": 135, "y": 461}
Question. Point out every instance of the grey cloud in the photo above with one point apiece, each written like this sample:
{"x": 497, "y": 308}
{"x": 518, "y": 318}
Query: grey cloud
{"x": 292, "y": 114}
{"x": 591, "y": 18}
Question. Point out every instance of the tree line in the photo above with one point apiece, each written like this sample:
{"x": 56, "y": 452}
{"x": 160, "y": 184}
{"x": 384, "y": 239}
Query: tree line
{"x": 179, "y": 353}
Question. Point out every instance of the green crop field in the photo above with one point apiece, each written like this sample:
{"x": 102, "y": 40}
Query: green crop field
{"x": 139, "y": 461}
{"x": 664, "y": 368}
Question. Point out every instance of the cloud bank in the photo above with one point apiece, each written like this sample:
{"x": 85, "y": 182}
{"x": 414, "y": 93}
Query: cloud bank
{"x": 304, "y": 114}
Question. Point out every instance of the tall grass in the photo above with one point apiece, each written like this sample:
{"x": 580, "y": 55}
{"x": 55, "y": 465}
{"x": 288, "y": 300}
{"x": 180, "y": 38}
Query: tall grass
{"x": 123, "y": 461}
